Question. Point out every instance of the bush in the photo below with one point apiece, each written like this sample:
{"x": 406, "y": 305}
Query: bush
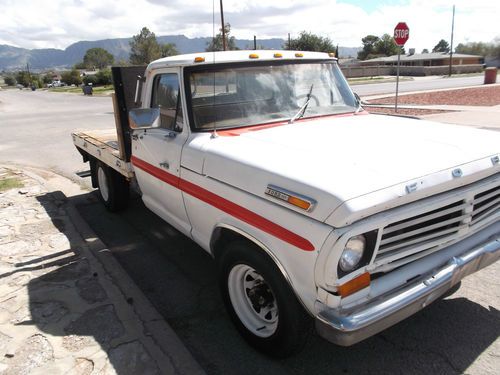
{"x": 90, "y": 79}
{"x": 71, "y": 77}
{"x": 9, "y": 80}
{"x": 104, "y": 77}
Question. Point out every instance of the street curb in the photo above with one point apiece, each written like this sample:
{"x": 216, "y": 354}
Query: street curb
{"x": 166, "y": 347}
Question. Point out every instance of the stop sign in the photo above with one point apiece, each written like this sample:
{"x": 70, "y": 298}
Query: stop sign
{"x": 401, "y": 33}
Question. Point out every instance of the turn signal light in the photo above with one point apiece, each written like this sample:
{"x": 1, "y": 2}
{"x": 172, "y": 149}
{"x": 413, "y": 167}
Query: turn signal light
{"x": 199, "y": 59}
{"x": 354, "y": 285}
{"x": 299, "y": 202}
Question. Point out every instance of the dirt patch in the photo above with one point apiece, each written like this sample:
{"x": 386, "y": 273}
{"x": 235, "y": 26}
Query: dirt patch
{"x": 475, "y": 96}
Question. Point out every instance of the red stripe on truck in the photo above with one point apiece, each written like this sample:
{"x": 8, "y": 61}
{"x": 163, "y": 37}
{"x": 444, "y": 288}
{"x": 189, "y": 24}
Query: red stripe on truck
{"x": 225, "y": 205}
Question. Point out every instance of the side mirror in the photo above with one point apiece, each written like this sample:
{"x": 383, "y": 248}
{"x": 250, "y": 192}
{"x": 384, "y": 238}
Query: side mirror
{"x": 144, "y": 118}
{"x": 361, "y": 102}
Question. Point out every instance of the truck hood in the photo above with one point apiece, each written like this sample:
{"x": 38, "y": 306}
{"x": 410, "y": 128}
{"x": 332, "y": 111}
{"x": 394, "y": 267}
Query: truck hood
{"x": 336, "y": 160}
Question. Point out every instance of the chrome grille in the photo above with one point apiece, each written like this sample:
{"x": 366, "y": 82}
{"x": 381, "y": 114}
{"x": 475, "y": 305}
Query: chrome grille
{"x": 406, "y": 240}
{"x": 486, "y": 205}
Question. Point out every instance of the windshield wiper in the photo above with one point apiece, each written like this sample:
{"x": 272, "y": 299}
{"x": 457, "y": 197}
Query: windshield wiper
{"x": 302, "y": 109}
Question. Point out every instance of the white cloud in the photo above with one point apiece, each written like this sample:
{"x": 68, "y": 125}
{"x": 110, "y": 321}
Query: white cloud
{"x": 58, "y": 23}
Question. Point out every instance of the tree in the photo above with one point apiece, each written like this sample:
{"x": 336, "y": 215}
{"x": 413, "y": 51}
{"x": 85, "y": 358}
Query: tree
{"x": 97, "y": 58}
{"x": 387, "y": 46}
{"x": 369, "y": 42}
{"x": 104, "y": 77}
{"x": 475, "y": 48}
{"x": 23, "y": 78}
{"x": 48, "y": 78}
{"x": 310, "y": 42}
{"x": 144, "y": 48}
{"x": 216, "y": 43}
{"x": 71, "y": 77}
{"x": 9, "y": 80}
{"x": 425, "y": 50}
{"x": 168, "y": 49}
{"x": 480, "y": 48}
{"x": 442, "y": 46}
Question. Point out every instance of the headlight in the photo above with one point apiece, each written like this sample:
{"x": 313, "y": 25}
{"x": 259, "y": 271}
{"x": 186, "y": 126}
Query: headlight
{"x": 353, "y": 252}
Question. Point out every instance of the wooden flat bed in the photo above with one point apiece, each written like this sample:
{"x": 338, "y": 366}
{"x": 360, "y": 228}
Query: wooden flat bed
{"x": 104, "y": 146}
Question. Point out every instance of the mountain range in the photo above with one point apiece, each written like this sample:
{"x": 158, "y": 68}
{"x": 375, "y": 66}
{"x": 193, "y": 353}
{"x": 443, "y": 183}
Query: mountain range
{"x": 14, "y": 58}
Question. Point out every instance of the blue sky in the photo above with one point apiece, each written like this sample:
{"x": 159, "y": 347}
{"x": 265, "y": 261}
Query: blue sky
{"x": 59, "y": 23}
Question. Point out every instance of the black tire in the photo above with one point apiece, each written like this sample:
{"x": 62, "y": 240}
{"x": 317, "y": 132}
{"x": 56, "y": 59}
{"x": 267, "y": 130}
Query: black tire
{"x": 113, "y": 188}
{"x": 288, "y": 333}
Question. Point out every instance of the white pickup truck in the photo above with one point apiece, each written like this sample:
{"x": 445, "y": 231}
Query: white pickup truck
{"x": 313, "y": 209}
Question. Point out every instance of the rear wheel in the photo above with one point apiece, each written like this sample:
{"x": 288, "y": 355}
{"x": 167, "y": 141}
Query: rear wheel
{"x": 260, "y": 302}
{"x": 113, "y": 188}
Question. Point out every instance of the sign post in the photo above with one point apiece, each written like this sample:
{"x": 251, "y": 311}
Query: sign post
{"x": 401, "y": 35}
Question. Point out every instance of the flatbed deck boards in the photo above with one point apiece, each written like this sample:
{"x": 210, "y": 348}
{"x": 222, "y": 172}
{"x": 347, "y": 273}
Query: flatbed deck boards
{"x": 103, "y": 145}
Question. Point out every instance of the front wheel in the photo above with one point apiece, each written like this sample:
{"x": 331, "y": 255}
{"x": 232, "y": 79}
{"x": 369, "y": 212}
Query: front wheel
{"x": 113, "y": 187}
{"x": 260, "y": 302}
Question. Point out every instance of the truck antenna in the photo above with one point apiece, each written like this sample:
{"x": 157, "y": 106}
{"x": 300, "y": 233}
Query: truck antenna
{"x": 214, "y": 134}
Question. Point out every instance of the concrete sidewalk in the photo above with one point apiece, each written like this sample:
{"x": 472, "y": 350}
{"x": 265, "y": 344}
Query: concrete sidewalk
{"x": 66, "y": 305}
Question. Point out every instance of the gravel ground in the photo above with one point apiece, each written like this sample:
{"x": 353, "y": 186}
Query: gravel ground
{"x": 482, "y": 96}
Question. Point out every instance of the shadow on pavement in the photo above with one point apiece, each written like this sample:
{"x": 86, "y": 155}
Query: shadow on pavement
{"x": 179, "y": 278}
{"x": 71, "y": 298}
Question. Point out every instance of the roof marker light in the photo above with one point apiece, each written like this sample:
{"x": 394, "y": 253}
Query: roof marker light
{"x": 253, "y": 56}
{"x": 299, "y": 55}
{"x": 278, "y": 55}
{"x": 331, "y": 54}
{"x": 199, "y": 59}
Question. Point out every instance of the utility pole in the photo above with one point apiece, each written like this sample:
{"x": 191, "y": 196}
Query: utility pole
{"x": 29, "y": 74}
{"x": 289, "y": 42}
{"x": 254, "y": 42}
{"x": 224, "y": 45}
{"x": 451, "y": 44}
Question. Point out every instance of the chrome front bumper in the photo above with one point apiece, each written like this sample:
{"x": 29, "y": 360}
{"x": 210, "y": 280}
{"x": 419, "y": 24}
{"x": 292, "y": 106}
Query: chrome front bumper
{"x": 349, "y": 327}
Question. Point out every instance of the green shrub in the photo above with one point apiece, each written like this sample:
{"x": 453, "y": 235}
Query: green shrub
{"x": 90, "y": 79}
{"x": 9, "y": 80}
{"x": 104, "y": 77}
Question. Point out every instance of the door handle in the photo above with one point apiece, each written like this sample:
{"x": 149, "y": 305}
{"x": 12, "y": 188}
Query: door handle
{"x": 165, "y": 165}
{"x": 171, "y": 135}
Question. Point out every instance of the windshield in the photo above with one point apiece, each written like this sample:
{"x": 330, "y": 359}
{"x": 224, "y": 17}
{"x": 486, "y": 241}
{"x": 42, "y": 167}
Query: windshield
{"x": 239, "y": 96}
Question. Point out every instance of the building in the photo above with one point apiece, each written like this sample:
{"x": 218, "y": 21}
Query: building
{"x": 423, "y": 64}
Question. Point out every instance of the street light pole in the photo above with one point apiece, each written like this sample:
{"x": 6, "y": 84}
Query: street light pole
{"x": 451, "y": 44}
{"x": 224, "y": 46}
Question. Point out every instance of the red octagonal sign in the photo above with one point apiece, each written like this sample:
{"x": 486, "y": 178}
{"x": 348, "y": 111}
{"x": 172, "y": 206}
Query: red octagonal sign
{"x": 401, "y": 33}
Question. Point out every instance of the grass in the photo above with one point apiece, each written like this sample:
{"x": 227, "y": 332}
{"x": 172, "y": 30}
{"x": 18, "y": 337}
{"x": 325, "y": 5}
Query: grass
{"x": 10, "y": 183}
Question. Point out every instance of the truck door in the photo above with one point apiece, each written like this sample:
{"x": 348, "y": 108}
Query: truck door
{"x": 157, "y": 151}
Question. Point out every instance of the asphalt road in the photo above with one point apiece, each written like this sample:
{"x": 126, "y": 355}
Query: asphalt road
{"x": 419, "y": 84}
{"x": 455, "y": 335}
{"x": 35, "y": 127}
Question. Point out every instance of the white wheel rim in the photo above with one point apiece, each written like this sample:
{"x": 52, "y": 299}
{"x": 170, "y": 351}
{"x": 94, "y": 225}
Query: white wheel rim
{"x": 253, "y": 300}
{"x": 103, "y": 183}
